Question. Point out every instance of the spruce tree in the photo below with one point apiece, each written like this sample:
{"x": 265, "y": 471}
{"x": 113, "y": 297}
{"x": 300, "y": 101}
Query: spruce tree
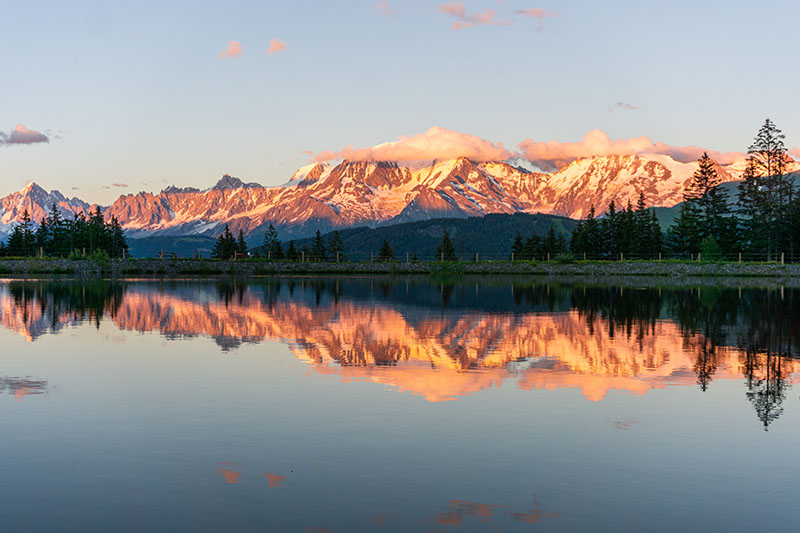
{"x": 643, "y": 245}
{"x": 277, "y": 251}
{"x": 592, "y": 235}
{"x": 766, "y": 193}
{"x": 241, "y": 245}
{"x": 551, "y": 244}
{"x": 270, "y": 241}
{"x": 711, "y": 199}
{"x": 335, "y": 245}
{"x": 577, "y": 241}
{"x": 225, "y": 247}
{"x": 532, "y": 248}
{"x": 684, "y": 236}
{"x": 609, "y": 233}
{"x": 386, "y": 253}
{"x": 517, "y": 247}
{"x": 16, "y": 242}
{"x": 319, "y": 252}
{"x": 117, "y": 240}
{"x": 446, "y": 251}
{"x": 291, "y": 252}
{"x": 98, "y": 239}
{"x": 627, "y": 231}
{"x": 656, "y": 240}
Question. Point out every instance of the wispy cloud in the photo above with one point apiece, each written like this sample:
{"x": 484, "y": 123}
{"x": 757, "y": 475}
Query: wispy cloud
{"x": 625, "y": 106}
{"x": 276, "y": 45}
{"x": 120, "y": 185}
{"x": 458, "y": 11}
{"x": 22, "y": 135}
{"x": 234, "y": 49}
{"x": 552, "y": 155}
{"x": 383, "y": 8}
{"x": 537, "y": 13}
{"x": 436, "y": 143}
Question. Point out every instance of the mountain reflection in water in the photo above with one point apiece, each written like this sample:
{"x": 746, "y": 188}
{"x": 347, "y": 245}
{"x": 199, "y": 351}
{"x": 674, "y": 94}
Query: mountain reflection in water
{"x": 445, "y": 340}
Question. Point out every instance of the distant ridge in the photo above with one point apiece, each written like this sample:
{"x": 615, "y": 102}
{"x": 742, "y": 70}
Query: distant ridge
{"x": 357, "y": 193}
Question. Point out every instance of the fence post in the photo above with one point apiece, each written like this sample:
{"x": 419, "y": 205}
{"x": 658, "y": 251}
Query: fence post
{"x": 584, "y": 256}
{"x": 124, "y": 254}
{"x": 548, "y": 256}
{"x": 442, "y": 256}
{"x": 337, "y": 257}
{"x": 512, "y": 257}
{"x": 476, "y": 257}
{"x": 740, "y": 258}
{"x": 698, "y": 256}
{"x": 269, "y": 255}
{"x": 303, "y": 256}
{"x": 621, "y": 257}
{"x": 781, "y": 263}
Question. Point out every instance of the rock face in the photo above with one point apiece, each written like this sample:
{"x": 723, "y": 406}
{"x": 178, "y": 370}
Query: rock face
{"x": 355, "y": 193}
{"x": 38, "y": 202}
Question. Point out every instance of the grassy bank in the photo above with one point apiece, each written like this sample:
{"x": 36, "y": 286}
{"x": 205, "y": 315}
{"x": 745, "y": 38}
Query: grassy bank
{"x": 178, "y": 267}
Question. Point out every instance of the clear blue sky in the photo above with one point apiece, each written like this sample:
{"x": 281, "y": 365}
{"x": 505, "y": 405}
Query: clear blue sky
{"x": 136, "y": 93}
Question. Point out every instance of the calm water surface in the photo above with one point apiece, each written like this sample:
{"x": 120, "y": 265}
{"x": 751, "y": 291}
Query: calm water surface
{"x": 344, "y": 404}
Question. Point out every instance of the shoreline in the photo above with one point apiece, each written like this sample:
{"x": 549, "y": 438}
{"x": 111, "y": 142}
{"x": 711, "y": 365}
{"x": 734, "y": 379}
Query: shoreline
{"x": 587, "y": 269}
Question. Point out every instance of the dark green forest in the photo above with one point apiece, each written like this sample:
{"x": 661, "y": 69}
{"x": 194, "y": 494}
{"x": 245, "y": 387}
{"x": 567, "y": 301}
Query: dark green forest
{"x": 57, "y": 236}
{"x": 762, "y": 223}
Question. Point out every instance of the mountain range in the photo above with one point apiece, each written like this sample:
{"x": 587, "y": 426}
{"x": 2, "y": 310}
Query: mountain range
{"x": 323, "y": 197}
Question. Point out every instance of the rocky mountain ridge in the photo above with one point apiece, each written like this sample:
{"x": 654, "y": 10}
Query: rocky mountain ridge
{"x": 356, "y": 193}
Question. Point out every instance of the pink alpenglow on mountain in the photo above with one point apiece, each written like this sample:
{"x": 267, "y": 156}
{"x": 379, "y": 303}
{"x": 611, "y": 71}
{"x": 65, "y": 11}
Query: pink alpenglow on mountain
{"x": 356, "y": 193}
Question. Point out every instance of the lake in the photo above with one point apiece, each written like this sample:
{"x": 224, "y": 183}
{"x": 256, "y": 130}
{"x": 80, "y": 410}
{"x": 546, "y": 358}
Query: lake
{"x": 398, "y": 404}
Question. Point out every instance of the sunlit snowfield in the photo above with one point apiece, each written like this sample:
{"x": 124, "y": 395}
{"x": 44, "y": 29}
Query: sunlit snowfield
{"x": 401, "y": 404}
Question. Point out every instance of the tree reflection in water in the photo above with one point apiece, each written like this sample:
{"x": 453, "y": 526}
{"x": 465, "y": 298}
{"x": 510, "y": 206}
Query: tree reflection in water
{"x": 497, "y": 327}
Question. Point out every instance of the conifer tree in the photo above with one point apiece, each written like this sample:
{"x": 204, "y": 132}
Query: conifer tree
{"x": 270, "y": 242}
{"x": 118, "y": 243}
{"x": 684, "y": 236}
{"x": 335, "y": 245}
{"x": 711, "y": 199}
{"x": 291, "y": 252}
{"x": 532, "y": 248}
{"x": 609, "y": 233}
{"x": 551, "y": 244}
{"x": 517, "y": 247}
{"x": 627, "y": 231}
{"x": 766, "y": 193}
{"x": 643, "y": 245}
{"x": 593, "y": 237}
{"x": 656, "y": 240}
{"x": 446, "y": 251}
{"x": 241, "y": 245}
{"x": 577, "y": 241}
{"x": 319, "y": 252}
{"x": 225, "y": 247}
{"x": 386, "y": 252}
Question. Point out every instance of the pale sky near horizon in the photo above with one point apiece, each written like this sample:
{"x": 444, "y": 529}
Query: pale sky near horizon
{"x": 136, "y": 96}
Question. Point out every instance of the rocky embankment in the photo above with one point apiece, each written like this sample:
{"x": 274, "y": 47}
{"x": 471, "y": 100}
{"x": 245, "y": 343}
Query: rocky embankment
{"x": 591, "y": 269}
